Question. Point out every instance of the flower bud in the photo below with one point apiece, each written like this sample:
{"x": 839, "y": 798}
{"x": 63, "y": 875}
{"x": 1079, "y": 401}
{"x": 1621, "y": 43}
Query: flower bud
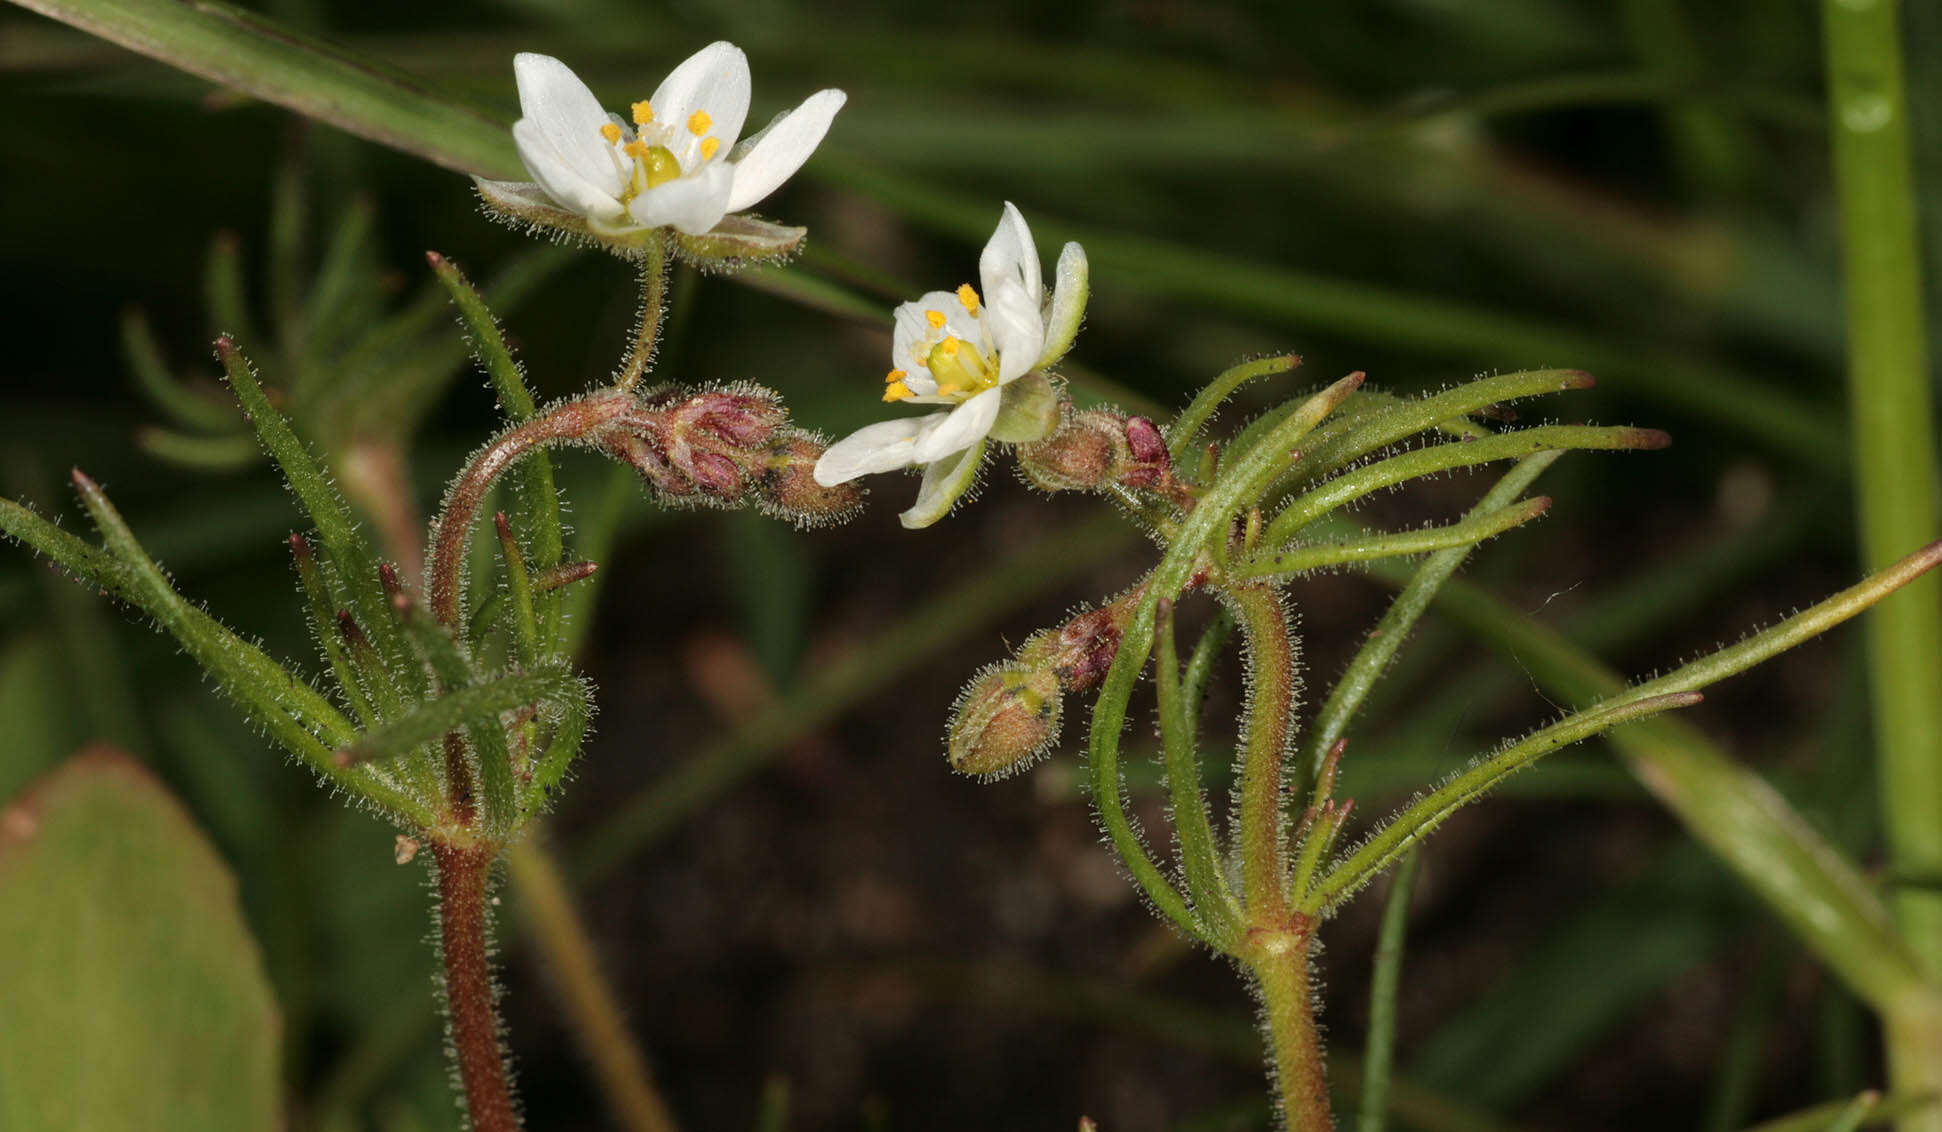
{"x": 1098, "y": 448}
{"x": 789, "y": 488}
{"x": 1078, "y": 457}
{"x": 711, "y": 445}
{"x": 1006, "y": 718}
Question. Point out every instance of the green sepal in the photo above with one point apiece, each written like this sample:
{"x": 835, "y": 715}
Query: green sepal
{"x": 739, "y": 241}
{"x": 1028, "y": 410}
{"x": 944, "y": 482}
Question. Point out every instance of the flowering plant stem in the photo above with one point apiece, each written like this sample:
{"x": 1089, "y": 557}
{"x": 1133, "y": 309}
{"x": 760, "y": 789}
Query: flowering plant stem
{"x": 1895, "y": 461}
{"x": 471, "y": 994}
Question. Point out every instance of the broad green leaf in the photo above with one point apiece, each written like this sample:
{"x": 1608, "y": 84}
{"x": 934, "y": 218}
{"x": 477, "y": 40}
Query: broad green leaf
{"x": 136, "y": 997}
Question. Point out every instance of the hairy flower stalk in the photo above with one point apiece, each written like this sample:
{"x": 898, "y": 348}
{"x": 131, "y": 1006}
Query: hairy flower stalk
{"x": 718, "y": 446}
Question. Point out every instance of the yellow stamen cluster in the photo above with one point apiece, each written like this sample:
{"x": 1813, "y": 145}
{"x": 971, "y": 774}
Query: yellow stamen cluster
{"x": 643, "y": 113}
{"x": 698, "y": 122}
{"x": 611, "y": 132}
{"x": 969, "y": 297}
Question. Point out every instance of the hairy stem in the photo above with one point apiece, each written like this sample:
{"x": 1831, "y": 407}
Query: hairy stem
{"x": 1264, "y": 749}
{"x": 647, "y": 336}
{"x": 574, "y": 421}
{"x": 1279, "y": 963}
{"x": 471, "y": 997}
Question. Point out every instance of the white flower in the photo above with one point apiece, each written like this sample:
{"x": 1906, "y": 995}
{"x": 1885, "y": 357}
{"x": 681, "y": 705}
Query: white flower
{"x": 963, "y": 349}
{"x": 676, "y": 164}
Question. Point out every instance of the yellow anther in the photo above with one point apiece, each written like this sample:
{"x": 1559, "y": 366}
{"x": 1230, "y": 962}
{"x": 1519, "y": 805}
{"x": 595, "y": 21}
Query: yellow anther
{"x": 708, "y": 148}
{"x": 896, "y": 391}
{"x": 635, "y": 148}
{"x": 611, "y": 132}
{"x": 895, "y": 375}
{"x": 949, "y": 346}
{"x": 969, "y": 297}
{"x": 947, "y": 390}
{"x": 643, "y": 113}
{"x": 935, "y": 318}
{"x": 698, "y": 122}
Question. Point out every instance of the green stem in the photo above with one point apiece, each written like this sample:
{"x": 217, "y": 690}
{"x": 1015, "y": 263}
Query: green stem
{"x": 1261, "y": 842}
{"x": 654, "y": 296}
{"x": 1894, "y": 449}
{"x": 1281, "y": 976}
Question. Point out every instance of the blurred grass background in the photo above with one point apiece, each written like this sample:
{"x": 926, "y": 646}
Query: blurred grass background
{"x": 1422, "y": 190}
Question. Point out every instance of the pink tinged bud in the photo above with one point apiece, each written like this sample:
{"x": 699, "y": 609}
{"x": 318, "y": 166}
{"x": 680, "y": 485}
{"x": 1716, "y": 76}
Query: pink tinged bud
{"x": 714, "y": 474}
{"x": 1006, "y": 718}
{"x": 742, "y": 419}
{"x": 1145, "y": 441}
{"x": 641, "y": 454}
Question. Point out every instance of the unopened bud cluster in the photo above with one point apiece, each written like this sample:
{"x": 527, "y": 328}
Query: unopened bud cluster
{"x": 1096, "y": 449}
{"x": 726, "y": 447}
{"x": 1009, "y": 714}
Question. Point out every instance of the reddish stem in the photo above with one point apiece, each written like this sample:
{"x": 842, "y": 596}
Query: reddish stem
{"x": 574, "y": 421}
{"x": 471, "y": 999}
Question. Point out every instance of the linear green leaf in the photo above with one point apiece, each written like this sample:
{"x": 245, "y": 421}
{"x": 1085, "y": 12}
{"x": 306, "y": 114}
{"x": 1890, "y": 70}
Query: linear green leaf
{"x": 1415, "y": 822}
{"x": 1464, "y": 534}
{"x": 1319, "y": 501}
{"x": 1372, "y": 659}
{"x": 1200, "y": 857}
{"x": 251, "y": 53}
{"x": 348, "y": 551}
{"x": 295, "y": 714}
{"x": 1813, "y": 888}
{"x": 473, "y": 704}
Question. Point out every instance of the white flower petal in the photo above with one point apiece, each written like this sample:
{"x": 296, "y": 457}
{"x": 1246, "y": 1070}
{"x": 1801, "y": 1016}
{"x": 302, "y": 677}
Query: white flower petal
{"x": 964, "y": 426}
{"x": 881, "y": 447}
{"x": 1017, "y": 331}
{"x": 692, "y": 204}
{"x": 943, "y": 483}
{"x": 1068, "y": 306}
{"x": 555, "y": 104}
{"x": 562, "y": 180}
{"x": 1011, "y": 254}
{"x": 780, "y": 149}
{"x": 714, "y": 81}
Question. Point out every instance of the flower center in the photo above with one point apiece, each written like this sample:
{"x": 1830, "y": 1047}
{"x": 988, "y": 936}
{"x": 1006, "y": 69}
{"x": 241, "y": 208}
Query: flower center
{"x": 648, "y": 161}
{"x": 961, "y": 369}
